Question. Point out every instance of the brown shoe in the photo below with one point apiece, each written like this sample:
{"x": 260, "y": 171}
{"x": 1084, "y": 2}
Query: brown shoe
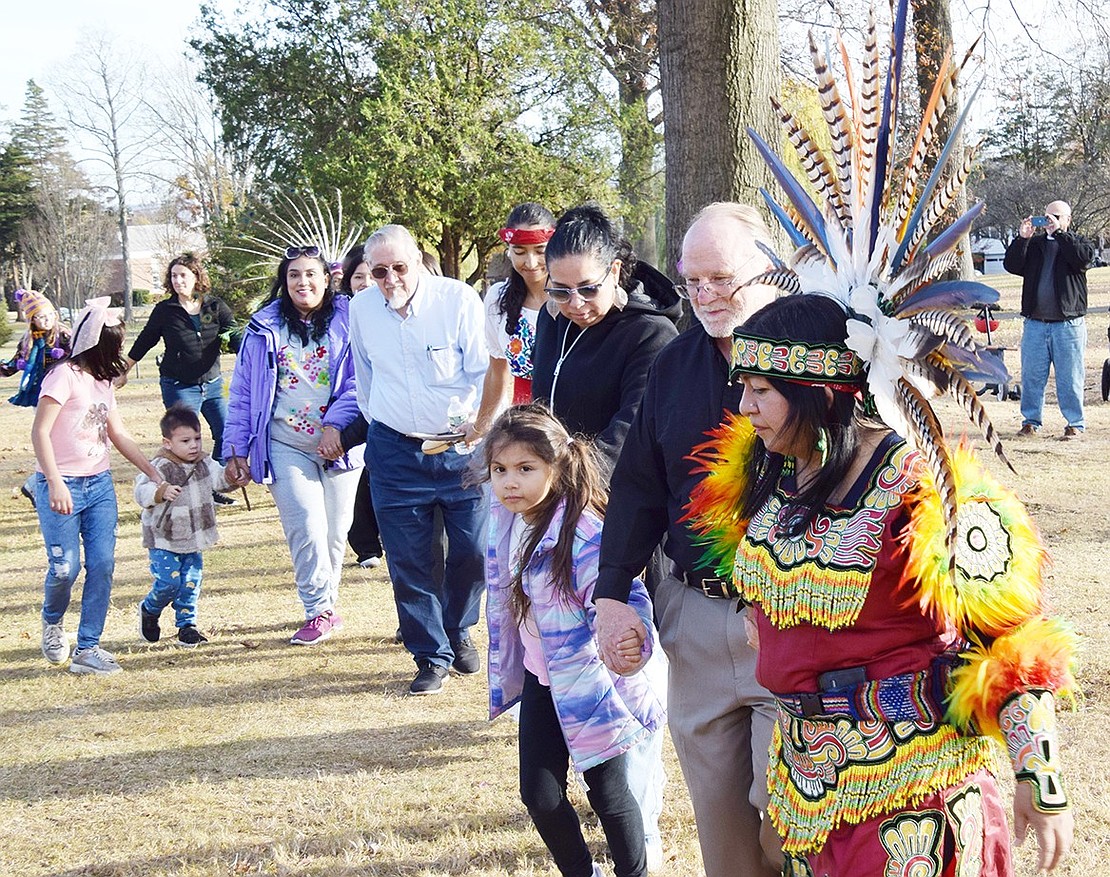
{"x": 1072, "y": 432}
{"x": 1028, "y": 429}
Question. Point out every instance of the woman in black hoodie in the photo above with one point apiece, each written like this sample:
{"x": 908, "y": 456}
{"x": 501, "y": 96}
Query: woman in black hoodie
{"x": 607, "y": 318}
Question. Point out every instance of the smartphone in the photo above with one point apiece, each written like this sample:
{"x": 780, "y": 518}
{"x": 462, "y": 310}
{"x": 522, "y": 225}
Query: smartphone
{"x": 1039, "y": 221}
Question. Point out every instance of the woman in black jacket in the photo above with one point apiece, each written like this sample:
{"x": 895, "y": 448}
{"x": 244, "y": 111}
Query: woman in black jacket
{"x": 190, "y": 322}
{"x": 607, "y": 318}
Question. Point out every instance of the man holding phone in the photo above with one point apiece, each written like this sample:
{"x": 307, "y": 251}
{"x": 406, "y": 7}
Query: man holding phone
{"x": 1054, "y": 307}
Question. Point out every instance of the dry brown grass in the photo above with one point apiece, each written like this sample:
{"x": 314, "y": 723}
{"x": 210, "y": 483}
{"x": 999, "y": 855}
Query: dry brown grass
{"x": 249, "y": 756}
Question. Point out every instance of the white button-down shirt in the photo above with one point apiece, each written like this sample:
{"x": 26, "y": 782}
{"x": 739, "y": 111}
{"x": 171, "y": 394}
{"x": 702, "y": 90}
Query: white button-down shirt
{"x": 408, "y": 368}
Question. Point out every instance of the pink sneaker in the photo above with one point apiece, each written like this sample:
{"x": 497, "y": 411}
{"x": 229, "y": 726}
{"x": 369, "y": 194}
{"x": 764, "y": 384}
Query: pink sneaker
{"x": 317, "y": 629}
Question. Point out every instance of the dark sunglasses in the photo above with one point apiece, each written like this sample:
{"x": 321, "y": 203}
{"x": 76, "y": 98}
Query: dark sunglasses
{"x": 562, "y": 294}
{"x": 381, "y": 272}
{"x": 311, "y": 252}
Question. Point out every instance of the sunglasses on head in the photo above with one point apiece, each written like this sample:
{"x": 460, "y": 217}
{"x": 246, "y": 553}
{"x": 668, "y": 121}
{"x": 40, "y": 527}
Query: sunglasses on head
{"x": 380, "y": 272}
{"x": 562, "y": 294}
{"x": 312, "y": 252}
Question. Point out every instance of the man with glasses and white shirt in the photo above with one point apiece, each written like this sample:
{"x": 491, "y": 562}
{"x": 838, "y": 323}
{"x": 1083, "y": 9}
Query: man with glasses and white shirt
{"x": 419, "y": 350}
{"x": 720, "y": 718}
{"x": 1054, "y": 305}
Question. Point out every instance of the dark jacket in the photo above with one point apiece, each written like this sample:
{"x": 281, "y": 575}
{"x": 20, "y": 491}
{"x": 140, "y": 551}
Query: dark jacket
{"x": 602, "y": 377}
{"x": 1025, "y": 256}
{"x": 192, "y": 356}
{"x": 688, "y": 390}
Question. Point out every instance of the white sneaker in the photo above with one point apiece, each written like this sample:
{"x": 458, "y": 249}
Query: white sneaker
{"x": 371, "y": 562}
{"x": 55, "y": 648}
{"x": 94, "y": 660}
{"x": 597, "y": 871}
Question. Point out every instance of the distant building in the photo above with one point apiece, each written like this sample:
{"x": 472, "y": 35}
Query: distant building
{"x": 152, "y": 247}
{"x": 987, "y": 255}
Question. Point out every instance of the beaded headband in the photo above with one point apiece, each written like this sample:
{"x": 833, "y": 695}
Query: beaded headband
{"x": 830, "y": 364}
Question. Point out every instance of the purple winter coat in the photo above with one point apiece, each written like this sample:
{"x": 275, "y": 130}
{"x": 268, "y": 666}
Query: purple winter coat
{"x": 250, "y": 405}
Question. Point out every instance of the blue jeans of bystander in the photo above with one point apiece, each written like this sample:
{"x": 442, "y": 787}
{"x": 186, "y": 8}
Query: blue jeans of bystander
{"x": 1060, "y": 345}
{"x": 408, "y": 486}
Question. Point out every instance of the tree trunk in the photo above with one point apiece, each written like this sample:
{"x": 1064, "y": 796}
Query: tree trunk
{"x": 932, "y": 27}
{"x": 719, "y": 65}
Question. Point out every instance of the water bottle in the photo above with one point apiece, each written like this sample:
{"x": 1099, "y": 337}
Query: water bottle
{"x": 456, "y": 416}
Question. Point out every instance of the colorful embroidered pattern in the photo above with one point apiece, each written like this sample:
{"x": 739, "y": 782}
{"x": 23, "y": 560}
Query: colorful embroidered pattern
{"x": 1028, "y": 722}
{"x": 965, "y": 810}
{"x": 519, "y": 349}
{"x": 821, "y": 576}
{"x": 827, "y": 773}
{"x": 913, "y": 842}
{"x": 792, "y": 359}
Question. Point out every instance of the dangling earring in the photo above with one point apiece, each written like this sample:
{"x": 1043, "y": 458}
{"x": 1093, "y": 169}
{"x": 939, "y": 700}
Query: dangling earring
{"x": 823, "y": 445}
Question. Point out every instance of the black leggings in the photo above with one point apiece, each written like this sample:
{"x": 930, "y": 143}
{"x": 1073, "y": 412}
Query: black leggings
{"x": 544, "y": 762}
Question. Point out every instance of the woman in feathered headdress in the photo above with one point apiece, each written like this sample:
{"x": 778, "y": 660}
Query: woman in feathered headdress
{"x": 896, "y": 586}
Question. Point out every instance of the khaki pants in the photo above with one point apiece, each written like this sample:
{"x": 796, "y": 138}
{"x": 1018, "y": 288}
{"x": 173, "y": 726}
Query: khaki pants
{"x": 720, "y": 720}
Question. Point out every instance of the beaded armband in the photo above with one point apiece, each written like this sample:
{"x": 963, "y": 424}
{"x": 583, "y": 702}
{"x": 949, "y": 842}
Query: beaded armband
{"x": 1028, "y": 723}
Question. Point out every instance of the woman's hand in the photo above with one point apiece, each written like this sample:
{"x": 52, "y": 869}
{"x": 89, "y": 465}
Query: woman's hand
{"x": 238, "y": 471}
{"x": 1054, "y": 831}
{"x": 60, "y": 499}
{"x": 331, "y": 444}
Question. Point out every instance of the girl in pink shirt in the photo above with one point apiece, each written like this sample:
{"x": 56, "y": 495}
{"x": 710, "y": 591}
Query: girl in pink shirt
{"x": 75, "y": 421}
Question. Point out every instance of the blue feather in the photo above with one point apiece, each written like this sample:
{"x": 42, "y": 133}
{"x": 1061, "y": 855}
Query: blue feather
{"x": 798, "y": 196}
{"x": 887, "y": 120}
{"x": 947, "y": 295}
{"x": 796, "y": 237}
{"x": 927, "y": 192}
{"x": 955, "y": 231}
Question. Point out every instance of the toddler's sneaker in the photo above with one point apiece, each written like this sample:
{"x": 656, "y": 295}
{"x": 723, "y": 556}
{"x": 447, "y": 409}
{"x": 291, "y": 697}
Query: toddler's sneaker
{"x": 148, "y": 625}
{"x": 190, "y": 637}
{"x": 317, "y": 629}
{"x": 94, "y": 660}
{"x": 54, "y": 646}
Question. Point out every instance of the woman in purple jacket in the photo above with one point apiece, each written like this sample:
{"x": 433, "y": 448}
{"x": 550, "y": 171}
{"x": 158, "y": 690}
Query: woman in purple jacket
{"x": 292, "y": 393}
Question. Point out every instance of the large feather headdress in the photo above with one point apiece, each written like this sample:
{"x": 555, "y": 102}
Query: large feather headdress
{"x": 875, "y": 245}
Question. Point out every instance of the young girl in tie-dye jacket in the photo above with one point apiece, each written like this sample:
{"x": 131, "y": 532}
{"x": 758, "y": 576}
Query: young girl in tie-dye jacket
{"x": 541, "y": 566}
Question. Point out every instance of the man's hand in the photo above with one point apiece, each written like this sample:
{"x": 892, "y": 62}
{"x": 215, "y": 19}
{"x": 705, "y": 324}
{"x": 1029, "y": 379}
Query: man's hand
{"x": 1026, "y": 229}
{"x": 1054, "y": 831}
{"x": 1052, "y": 226}
{"x": 120, "y": 380}
{"x": 614, "y": 621}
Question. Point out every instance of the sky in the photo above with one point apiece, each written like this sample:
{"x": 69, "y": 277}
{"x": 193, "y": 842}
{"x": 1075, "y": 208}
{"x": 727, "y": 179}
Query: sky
{"x": 41, "y": 35}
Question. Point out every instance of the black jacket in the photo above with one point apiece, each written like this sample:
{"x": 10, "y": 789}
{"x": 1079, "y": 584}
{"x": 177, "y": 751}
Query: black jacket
{"x": 191, "y": 356}
{"x": 688, "y": 391}
{"x": 602, "y": 377}
{"x": 1025, "y": 256}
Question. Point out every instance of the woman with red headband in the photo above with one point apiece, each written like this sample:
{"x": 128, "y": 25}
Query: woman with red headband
{"x": 512, "y": 308}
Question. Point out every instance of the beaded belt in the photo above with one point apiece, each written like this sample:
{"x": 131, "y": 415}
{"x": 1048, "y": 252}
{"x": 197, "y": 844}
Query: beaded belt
{"x": 908, "y": 697}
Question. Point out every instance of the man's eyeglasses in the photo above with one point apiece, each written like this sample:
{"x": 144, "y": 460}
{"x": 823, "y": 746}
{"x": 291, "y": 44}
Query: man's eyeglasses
{"x": 311, "y": 252}
{"x": 719, "y": 287}
{"x": 562, "y": 294}
{"x": 381, "y": 272}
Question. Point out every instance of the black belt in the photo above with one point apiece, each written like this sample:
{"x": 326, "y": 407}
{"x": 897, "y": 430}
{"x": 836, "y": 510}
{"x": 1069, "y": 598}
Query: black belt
{"x": 711, "y": 586}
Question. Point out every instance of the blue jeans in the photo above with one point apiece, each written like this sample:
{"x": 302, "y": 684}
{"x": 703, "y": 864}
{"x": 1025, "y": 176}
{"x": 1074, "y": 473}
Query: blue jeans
{"x": 177, "y": 580}
{"x": 408, "y": 486}
{"x": 207, "y": 399}
{"x": 315, "y": 506}
{"x": 93, "y": 524}
{"x": 1060, "y": 345}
